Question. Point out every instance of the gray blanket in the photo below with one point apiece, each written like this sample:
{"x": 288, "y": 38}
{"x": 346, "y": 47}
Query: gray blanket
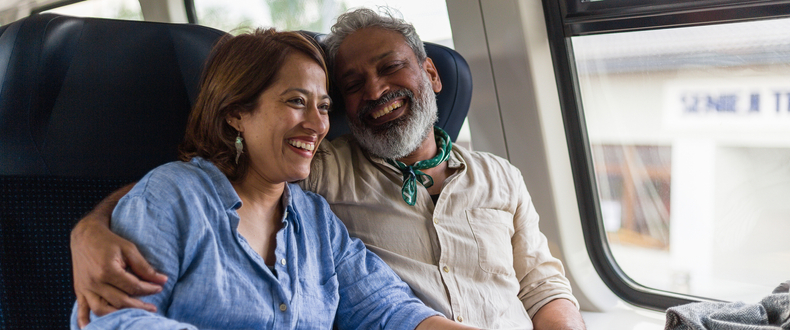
{"x": 771, "y": 313}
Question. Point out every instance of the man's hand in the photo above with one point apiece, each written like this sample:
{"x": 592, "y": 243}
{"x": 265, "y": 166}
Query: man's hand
{"x": 101, "y": 259}
{"x": 558, "y": 314}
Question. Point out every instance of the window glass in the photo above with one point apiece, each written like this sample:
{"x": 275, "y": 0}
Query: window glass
{"x": 428, "y": 16}
{"x": 117, "y": 9}
{"x": 689, "y": 137}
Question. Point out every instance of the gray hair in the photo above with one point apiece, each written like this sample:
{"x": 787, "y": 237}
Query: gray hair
{"x": 361, "y": 18}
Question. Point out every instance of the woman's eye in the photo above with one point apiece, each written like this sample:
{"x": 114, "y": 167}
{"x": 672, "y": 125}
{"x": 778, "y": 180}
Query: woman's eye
{"x": 298, "y": 101}
{"x": 326, "y": 107}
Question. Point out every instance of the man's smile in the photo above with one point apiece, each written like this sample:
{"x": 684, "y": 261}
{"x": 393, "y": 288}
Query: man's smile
{"x": 387, "y": 109}
{"x": 388, "y": 113}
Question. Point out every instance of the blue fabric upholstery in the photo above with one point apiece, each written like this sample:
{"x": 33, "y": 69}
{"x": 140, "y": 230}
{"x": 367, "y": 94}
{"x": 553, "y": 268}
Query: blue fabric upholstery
{"x": 36, "y": 216}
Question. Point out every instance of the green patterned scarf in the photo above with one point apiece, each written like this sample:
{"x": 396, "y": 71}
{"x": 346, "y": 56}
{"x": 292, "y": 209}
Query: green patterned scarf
{"x": 412, "y": 172}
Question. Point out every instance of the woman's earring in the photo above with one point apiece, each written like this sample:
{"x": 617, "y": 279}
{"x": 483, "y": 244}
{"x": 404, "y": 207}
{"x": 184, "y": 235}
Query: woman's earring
{"x": 239, "y": 147}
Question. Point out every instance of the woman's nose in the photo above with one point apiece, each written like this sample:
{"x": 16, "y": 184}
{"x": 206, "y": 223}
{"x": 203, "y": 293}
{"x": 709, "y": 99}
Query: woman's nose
{"x": 316, "y": 120}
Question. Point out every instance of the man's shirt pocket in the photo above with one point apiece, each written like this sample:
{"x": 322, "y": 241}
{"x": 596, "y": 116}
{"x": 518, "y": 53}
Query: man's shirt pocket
{"x": 493, "y": 230}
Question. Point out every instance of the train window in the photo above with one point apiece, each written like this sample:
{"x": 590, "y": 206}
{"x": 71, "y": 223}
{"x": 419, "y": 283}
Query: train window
{"x": 688, "y": 132}
{"x": 118, "y": 9}
{"x": 684, "y": 121}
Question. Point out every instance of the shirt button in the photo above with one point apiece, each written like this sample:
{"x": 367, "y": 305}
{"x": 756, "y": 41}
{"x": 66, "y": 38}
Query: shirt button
{"x": 436, "y": 221}
{"x": 446, "y": 269}
{"x": 283, "y": 308}
{"x": 282, "y": 261}
{"x": 459, "y": 318}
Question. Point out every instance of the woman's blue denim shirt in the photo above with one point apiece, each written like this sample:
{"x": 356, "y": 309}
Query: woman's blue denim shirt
{"x": 182, "y": 216}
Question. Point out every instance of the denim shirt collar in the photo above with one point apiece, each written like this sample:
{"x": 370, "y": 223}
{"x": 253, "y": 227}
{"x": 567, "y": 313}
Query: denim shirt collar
{"x": 289, "y": 201}
{"x": 232, "y": 201}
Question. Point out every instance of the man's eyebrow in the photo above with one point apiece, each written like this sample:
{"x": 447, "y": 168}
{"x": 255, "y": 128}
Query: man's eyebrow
{"x": 383, "y": 55}
{"x": 374, "y": 59}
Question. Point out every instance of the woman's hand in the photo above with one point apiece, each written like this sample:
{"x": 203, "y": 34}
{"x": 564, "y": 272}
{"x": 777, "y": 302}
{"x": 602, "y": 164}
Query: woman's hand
{"x": 101, "y": 260}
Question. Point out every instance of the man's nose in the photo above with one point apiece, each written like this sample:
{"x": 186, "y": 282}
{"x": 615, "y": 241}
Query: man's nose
{"x": 374, "y": 89}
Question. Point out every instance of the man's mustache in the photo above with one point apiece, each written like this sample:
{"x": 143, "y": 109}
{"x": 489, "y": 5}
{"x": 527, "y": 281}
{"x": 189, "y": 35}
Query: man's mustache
{"x": 369, "y": 106}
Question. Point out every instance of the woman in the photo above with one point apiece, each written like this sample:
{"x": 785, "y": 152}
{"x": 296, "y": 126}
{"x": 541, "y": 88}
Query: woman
{"x": 240, "y": 245}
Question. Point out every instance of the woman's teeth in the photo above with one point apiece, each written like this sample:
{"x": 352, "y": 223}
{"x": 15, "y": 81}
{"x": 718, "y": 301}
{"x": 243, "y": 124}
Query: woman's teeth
{"x": 302, "y": 145}
{"x": 388, "y": 109}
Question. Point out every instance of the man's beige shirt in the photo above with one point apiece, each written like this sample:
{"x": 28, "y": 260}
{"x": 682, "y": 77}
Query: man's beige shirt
{"x": 477, "y": 255}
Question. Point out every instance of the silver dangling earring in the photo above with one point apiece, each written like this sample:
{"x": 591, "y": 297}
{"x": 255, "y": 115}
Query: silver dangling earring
{"x": 239, "y": 147}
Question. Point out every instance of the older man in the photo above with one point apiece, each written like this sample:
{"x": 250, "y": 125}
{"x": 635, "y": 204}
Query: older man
{"x": 458, "y": 226}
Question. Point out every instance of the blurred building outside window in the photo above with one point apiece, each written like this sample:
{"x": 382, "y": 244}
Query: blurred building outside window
{"x": 689, "y": 139}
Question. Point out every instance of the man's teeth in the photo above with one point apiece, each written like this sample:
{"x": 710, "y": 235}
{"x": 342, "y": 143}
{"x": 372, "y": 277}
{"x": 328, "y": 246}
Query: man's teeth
{"x": 387, "y": 110}
{"x": 302, "y": 145}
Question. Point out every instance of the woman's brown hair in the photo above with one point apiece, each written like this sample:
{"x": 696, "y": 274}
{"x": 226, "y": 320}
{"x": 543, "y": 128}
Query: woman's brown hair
{"x": 238, "y": 71}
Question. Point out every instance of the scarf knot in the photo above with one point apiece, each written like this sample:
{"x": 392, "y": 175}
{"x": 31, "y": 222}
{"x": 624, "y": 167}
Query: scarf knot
{"x": 412, "y": 173}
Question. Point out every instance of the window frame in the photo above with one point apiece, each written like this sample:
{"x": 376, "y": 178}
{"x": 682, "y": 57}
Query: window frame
{"x": 189, "y": 6}
{"x": 586, "y": 17}
{"x": 53, "y": 5}
{"x": 569, "y": 18}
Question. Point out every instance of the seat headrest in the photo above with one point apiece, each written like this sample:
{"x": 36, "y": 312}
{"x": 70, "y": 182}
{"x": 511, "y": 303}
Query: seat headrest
{"x": 79, "y": 96}
{"x": 453, "y": 100}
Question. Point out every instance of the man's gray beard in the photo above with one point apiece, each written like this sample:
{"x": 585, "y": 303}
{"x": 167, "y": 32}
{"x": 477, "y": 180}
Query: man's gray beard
{"x": 400, "y": 137}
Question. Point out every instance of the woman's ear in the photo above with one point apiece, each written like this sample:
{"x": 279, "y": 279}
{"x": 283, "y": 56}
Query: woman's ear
{"x": 234, "y": 120}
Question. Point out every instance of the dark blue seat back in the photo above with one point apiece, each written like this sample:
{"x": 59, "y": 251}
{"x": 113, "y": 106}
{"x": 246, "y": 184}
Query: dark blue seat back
{"x": 86, "y": 106}
{"x": 95, "y": 97}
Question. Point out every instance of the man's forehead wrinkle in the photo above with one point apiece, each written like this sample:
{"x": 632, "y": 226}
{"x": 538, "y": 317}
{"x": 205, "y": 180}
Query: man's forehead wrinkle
{"x": 381, "y": 56}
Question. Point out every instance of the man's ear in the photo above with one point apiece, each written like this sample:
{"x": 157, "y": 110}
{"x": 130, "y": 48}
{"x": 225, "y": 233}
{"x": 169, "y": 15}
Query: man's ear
{"x": 433, "y": 74}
